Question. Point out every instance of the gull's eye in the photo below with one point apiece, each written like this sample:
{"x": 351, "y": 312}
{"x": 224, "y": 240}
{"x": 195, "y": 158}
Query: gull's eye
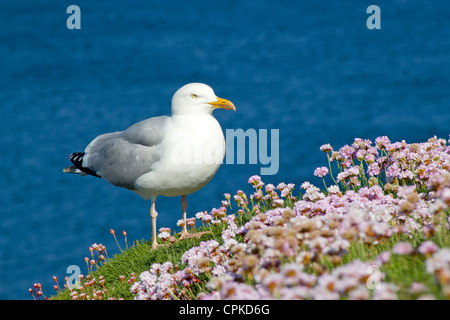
{"x": 194, "y": 96}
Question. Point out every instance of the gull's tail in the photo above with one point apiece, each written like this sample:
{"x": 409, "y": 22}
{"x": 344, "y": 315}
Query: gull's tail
{"x": 77, "y": 168}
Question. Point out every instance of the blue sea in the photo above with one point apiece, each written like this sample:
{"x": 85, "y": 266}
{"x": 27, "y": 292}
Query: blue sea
{"x": 311, "y": 69}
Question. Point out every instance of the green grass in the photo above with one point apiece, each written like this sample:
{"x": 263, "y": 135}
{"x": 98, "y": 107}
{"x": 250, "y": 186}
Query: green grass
{"x": 115, "y": 275}
{"x": 139, "y": 257}
{"x": 402, "y": 270}
{"x": 136, "y": 259}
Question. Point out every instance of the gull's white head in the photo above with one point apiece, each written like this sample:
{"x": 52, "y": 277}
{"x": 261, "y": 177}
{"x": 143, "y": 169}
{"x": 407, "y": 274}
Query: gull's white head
{"x": 198, "y": 98}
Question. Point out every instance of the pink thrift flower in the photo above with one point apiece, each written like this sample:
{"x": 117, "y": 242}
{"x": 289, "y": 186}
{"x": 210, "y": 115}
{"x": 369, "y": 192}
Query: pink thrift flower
{"x": 164, "y": 235}
{"x": 207, "y": 218}
{"x": 333, "y": 189}
{"x": 305, "y": 185}
{"x": 402, "y": 248}
{"x": 281, "y": 186}
{"x": 285, "y": 192}
{"x": 427, "y": 248}
{"x": 326, "y": 148}
{"x": 200, "y": 215}
{"x": 417, "y": 287}
{"x": 278, "y": 203}
{"x": 321, "y": 172}
{"x": 373, "y": 169}
{"x": 382, "y": 142}
{"x": 255, "y": 181}
{"x": 383, "y": 258}
{"x": 269, "y": 188}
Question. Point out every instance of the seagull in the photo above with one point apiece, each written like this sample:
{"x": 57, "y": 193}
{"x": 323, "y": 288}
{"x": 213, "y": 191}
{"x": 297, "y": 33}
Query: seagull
{"x": 162, "y": 156}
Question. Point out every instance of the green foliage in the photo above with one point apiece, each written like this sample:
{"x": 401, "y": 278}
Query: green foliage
{"x": 383, "y": 170}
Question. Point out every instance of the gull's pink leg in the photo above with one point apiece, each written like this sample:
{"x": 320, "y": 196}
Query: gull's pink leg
{"x": 184, "y": 233}
{"x": 153, "y": 215}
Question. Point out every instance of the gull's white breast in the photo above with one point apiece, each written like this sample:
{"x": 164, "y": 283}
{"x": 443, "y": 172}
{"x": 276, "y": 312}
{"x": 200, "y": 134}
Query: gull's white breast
{"x": 191, "y": 154}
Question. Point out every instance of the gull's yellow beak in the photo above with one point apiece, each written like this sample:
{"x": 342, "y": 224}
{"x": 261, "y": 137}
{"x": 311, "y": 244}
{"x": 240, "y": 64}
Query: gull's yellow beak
{"x": 223, "y": 103}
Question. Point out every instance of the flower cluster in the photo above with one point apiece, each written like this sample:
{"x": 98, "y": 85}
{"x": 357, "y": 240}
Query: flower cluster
{"x": 272, "y": 199}
{"x": 90, "y": 287}
{"x": 439, "y": 265}
{"x": 38, "y": 290}
{"x": 292, "y": 282}
{"x": 284, "y": 249}
{"x": 157, "y": 283}
{"x": 322, "y": 226}
{"x": 166, "y": 281}
{"x": 276, "y": 245}
{"x": 398, "y": 163}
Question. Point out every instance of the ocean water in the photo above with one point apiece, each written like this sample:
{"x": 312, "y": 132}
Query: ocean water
{"x": 311, "y": 69}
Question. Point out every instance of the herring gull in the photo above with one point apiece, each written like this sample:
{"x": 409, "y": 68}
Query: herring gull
{"x": 168, "y": 155}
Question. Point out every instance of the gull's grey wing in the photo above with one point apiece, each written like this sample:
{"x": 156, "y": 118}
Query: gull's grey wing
{"x": 122, "y": 157}
{"x": 98, "y": 142}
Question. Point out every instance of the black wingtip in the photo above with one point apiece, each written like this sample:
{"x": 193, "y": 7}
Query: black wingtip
{"x": 77, "y": 159}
